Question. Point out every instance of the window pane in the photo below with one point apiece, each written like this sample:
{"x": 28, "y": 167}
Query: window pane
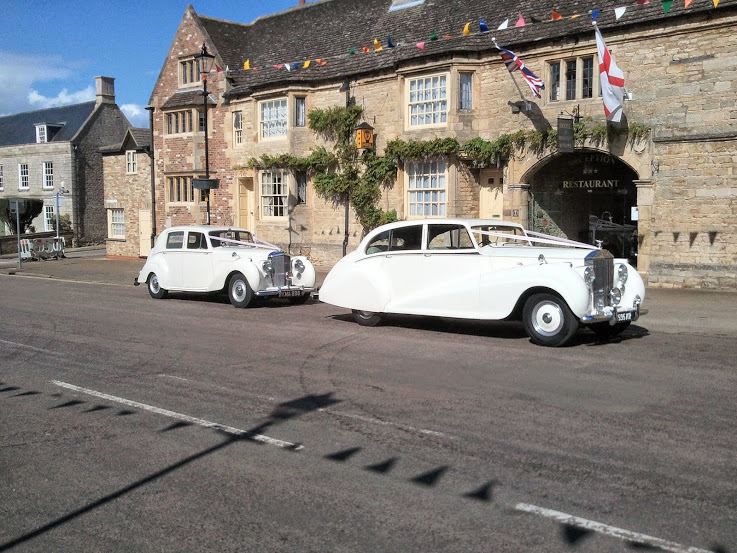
{"x": 175, "y": 240}
{"x": 299, "y": 112}
{"x": 588, "y": 78}
{"x": 571, "y": 80}
{"x": 555, "y": 81}
{"x": 406, "y": 238}
{"x": 427, "y": 101}
{"x": 466, "y": 80}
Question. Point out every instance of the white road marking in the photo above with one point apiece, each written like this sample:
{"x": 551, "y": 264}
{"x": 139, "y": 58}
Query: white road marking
{"x": 34, "y": 348}
{"x": 180, "y": 416}
{"x": 607, "y": 530}
{"x": 54, "y": 279}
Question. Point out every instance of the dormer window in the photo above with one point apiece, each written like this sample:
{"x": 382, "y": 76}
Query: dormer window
{"x": 189, "y": 72}
{"x": 41, "y": 134}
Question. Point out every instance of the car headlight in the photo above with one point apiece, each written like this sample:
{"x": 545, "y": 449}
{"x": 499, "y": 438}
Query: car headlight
{"x": 616, "y": 296}
{"x": 267, "y": 266}
{"x": 622, "y": 273}
{"x": 637, "y": 302}
{"x": 588, "y": 276}
{"x": 299, "y": 266}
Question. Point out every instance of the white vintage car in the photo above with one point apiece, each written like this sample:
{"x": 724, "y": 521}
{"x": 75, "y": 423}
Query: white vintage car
{"x": 210, "y": 258}
{"x": 489, "y": 270}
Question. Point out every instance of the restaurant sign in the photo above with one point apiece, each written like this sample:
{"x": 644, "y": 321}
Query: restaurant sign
{"x": 590, "y": 184}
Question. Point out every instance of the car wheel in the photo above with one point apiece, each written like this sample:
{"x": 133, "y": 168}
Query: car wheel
{"x": 154, "y": 287}
{"x": 239, "y": 291}
{"x": 548, "y": 320}
{"x": 366, "y": 318}
{"x": 299, "y": 300}
{"x": 605, "y": 331}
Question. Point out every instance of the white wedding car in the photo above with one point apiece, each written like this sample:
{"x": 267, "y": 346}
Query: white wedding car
{"x": 489, "y": 270}
{"x": 210, "y": 258}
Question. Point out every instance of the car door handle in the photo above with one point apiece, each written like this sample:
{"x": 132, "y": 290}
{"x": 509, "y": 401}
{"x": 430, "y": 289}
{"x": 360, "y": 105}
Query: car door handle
{"x": 428, "y": 255}
{"x": 388, "y": 256}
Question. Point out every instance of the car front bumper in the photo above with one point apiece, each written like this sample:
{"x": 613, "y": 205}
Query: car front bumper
{"x": 613, "y": 315}
{"x": 285, "y": 291}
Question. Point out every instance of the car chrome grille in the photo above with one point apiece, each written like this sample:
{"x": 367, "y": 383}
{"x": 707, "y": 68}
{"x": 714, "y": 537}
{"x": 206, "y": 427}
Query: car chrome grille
{"x": 603, "y": 265}
{"x": 281, "y": 263}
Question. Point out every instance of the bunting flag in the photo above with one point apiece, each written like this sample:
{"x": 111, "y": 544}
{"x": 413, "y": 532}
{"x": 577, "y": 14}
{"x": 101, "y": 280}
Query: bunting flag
{"x": 483, "y": 27}
{"x": 420, "y": 45}
{"x": 667, "y": 5}
{"x": 377, "y": 45}
{"x": 687, "y": 3}
{"x": 612, "y": 80}
{"x": 320, "y": 61}
{"x": 643, "y": 2}
{"x": 218, "y": 69}
{"x": 555, "y": 16}
{"x": 389, "y": 42}
{"x": 288, "y": 66}
{"x": 715, "y": 2}
{"x": 595, "y": 13}
{"x": 513, "y": 63}
{"x": 306, "y": 64}
{"x": 295, "y": 65}
{"x": 278, "y": 66}
{"x": 575, "y": 16}
{"x": 351, "y": 51}
{"x": 365, "y": 49}
{"x": 246, "y": 64}
{"x": 619, "y": 12}
{"x": 504, "y": 24}
{"x": 467, "y": 29}
{"x": 433, "y": 36}
{"x": 520, "y": 21}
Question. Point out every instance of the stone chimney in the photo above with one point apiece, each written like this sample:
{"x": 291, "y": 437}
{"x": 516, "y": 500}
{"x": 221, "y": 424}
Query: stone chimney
{"x": 104, "y": 90}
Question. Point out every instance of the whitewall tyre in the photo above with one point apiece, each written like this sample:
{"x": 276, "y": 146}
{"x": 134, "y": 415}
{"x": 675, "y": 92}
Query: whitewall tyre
{"x": 239, "y": 291}
{"x": 366, "y": 318}
{"x": 548, "y": 320}
{"x": 154, "y": 287}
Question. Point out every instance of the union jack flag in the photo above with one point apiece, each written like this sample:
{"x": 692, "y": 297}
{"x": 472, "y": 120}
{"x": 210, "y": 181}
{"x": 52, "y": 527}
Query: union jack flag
{"x": 514, "y": 63}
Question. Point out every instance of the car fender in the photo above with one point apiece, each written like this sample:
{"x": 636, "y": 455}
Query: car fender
{"x": 156, "y": 263}
{"x": 357, "y": 284}
{"x": 308, "y": 277}
{"x": 244, "y": 266}
{"x": 501, "y": 290}
{"x": 634, "y": 286}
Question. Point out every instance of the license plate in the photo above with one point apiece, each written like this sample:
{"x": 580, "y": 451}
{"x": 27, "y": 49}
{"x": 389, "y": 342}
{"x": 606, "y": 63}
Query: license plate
{"x": 290, "y": 293}
{"x": 624, "y": 317}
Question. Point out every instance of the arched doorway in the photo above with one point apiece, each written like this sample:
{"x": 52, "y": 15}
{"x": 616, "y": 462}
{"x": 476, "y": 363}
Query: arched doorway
{"x": 587, "y": 196}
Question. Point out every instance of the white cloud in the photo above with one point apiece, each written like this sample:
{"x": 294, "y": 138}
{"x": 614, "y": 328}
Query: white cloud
{"x": 63, "y": 98}
{"x": 19, "y": 72}
{"x": 136, "y": 114}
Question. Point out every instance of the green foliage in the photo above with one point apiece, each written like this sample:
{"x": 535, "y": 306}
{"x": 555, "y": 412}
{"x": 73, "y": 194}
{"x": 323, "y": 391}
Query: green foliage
{"x": 400, "y": 150}
{"x": 335, "y": 123}
{"x": 28, "y": 211}
{"x": 318, "y": 160}
{"x": 637, "y": 132}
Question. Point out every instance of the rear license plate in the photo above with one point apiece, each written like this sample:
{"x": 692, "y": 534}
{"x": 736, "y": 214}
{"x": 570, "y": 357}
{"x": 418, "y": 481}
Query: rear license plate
{"x": 624, "y": 317}
{"x": 290, "y": 293}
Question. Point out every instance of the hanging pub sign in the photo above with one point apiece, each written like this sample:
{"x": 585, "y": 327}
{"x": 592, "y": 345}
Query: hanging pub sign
{"x": 565, "y": 135}
{"x": 205, "y": 184}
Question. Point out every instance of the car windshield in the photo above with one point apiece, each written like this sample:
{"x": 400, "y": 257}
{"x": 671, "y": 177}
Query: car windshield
{"x": 493, "y": 240}
{"x": 238, "y": 235}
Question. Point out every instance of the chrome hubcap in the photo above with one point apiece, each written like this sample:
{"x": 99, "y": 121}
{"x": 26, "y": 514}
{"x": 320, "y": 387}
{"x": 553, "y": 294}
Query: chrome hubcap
{"x": 547, "y": 318}
{"x": 154, "y": 284}
{"x": 366, "y": 314}
{"x": 239, "y": 290}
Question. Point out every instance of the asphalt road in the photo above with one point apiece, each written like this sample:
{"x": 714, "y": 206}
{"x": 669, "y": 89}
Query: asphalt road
{"x": 130, "y": 424}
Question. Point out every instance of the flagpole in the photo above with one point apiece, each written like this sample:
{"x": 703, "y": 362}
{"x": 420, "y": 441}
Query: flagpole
{"x": 516, "y": 84}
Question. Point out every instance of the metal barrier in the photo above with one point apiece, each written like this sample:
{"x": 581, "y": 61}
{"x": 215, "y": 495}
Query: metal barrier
{"x": 42, "y": 248}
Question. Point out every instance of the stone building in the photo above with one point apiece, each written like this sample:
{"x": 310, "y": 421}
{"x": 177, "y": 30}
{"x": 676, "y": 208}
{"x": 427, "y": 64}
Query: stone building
{"x": 126, "y": 169}
{"x": 673, "y": 158}
{"x": 56, "y": 150}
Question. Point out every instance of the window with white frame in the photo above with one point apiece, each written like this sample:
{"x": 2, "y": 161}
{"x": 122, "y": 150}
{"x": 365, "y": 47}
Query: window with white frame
{"x": 180, "y": 190}
{"x": 465, "y": 90}
{"x": 48, "y": 175}
{"x": 572, "y": 79}
{"x": 23, "y": 176}
{"x": 238, "y": 127}
{"x": 273, "y": 118}
{"x": 428, "y": 101}
{"x": 131, "y": 162}
{"x": 116, "y": 223}
{"x": 49, "y": 219}
{"x": 189, "y": 72}
{"x": 301, "y": 178}
{"x": 300, "y": 112}
{"x": 2, "y": 179}
{"x": 274, "y": 194}
{"x": 41, "y": 134}
{"x": 178, "y": 122}
{"x": 427, "y": 188}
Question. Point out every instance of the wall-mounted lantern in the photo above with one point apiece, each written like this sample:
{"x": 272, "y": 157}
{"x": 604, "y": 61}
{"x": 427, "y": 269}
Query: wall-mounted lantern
{"x": 364, "y": 136}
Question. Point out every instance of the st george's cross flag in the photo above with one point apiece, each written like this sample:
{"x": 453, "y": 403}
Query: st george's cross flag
{"x": 513, "y": 63}
{"x": 612, "y": 81}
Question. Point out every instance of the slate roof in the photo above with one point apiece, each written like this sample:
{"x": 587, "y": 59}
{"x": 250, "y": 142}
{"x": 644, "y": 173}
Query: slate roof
{"x": 331, "y": 27}
{"x": 187, "y": 98}
{"x": 139, "y": 136}
{"x": 20, "y": 128}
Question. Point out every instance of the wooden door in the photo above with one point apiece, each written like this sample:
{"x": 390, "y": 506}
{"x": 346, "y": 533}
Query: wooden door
{"x": 144, "y": 232}
{"x": 246, "y": 203}
{"x": 491, "y": 198}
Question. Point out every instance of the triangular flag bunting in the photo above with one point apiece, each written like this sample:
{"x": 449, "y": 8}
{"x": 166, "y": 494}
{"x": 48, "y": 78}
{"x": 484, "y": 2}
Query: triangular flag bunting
{"x": 352, "y": 51}
{"x": 716, "y": 3}
{"x": 320, "y": 61}
{"x": 555, "y": 16}
{"x": 619, "y": 12}
{"x": 246, "y": 65}
{"x": 389, "y": 42}
{"x": 483, "y": 27}
{"x": 504, "y": 24}
{"x": 278, "y": 65}
{"x": 433, "y": 35}
{"x": 295, "y": 65}
{"x": 643, "y": 2}
{"x": 365, "y": 49}
{"x": 595, "y": 13}
{"x": 520, "y": 21}
{"x": 306, "y": 64}
{"x": 420, "y": 45}
{"x": 288, "y": 66}
{"x": 467, "y": 29}
{"x": 687, "y": 3}
{"x": 377, "y": 45}
{"x": 575, "y": 16}
{"x": 667, "y": 5}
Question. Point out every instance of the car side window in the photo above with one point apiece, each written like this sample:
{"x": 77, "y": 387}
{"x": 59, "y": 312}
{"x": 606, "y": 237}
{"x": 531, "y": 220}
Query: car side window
{"x": 448, "y": 237}
{"x": 379, "y": 243}
{"x": 196, "y": 241}
{"x": 175, "y": 241}
{"x": 406, "y": 238}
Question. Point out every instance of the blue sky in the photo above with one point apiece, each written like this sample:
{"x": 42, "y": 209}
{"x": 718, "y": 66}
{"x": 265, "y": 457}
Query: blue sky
{"x": 52, "y": 49}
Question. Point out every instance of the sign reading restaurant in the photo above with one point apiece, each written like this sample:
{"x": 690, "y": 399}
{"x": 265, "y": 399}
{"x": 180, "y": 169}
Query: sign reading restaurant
{"x": 590, "y": 184}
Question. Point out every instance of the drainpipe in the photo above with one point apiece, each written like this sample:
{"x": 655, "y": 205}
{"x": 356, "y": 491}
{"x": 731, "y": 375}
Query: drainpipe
{"x": 150, "y": 110}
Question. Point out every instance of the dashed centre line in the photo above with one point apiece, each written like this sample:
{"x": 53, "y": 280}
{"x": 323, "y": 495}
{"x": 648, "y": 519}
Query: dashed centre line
{"x": 181, "y": 416}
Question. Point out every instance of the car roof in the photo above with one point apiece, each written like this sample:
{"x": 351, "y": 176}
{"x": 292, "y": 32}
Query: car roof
{"x": 456, "y": 221}
{"x": 204, "y": 228}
